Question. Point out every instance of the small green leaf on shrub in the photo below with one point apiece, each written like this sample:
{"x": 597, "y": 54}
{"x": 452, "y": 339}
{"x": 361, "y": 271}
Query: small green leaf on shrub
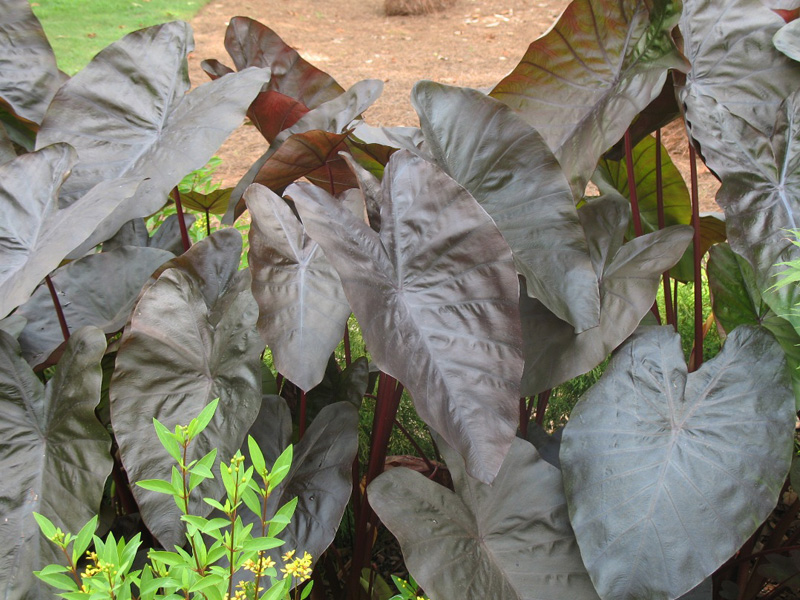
{"x": 199, "y": 423}
{"x": 46, "y": 525}
{"x": 256, "y": 456}
{"x": 281, "y": 468}
{"x": 156, "y": 485}
{"x": 83, "y": 539}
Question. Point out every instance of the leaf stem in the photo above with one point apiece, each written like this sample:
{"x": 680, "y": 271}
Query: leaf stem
{"x": 176, "y": 196}
{"x": 62, "y": 320}
{"x": 637, "y": 219}
{"x": 698, "y": 281}
{"x": 668, "y": 307}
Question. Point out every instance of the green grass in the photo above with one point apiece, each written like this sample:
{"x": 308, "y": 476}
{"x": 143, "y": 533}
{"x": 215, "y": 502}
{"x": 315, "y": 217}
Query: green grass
{"x": 79, "y": 29}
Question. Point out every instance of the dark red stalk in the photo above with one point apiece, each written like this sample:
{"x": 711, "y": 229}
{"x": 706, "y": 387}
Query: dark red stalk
{"x": 388, "y": 399}
{"x": 637, "y": 219}
{"x": 208, "y": 223}
{"x": 302, "y": 419}
{"x": 541, "y": 405}
{"x": 668, "y": 308}
{"x": 62, "y": 321}
{"x": 176, "y": 196}
{"x": 523, "y": 417}
{"x": 348, "y": 357}
{"x": 698, "y": 281}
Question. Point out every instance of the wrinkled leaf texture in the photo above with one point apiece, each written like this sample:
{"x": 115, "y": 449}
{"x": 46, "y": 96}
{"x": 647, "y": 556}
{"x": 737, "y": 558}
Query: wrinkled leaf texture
{"x": 191, "y": 339}
{"x": 661, "y": 491}
{"x": 302, "y": 307}
{"x": 435, "y": 294}
{"x": 54, "y": 456}
{"x": 736, "y": 300}
{"x": 582, "y": 84}
{"x": 508, "y": 168}
{"x": 129, "y": 112}
{"x": 629, "y": 275}
{"x": 507, "y": 541}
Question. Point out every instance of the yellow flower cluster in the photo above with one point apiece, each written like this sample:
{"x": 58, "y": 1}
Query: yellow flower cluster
{"x": 260, "y": 566}
{"x": 299, "y": 568}
{"x": 97, "y": 566}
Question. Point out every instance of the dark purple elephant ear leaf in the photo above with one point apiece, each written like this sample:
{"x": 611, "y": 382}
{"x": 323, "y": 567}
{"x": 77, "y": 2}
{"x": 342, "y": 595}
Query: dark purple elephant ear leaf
{"x": 302, "y": 307}
{"x": 676, "y": 493}
{"x": 421, "y": 292}
{"x": 582, "y": 84}
{"x": 129, "y": 112}
{"x": 191, "y": 338}
{"x": 458, "y": 544}
{"x": 508, "y": 168}
{"x": 35, "y": 235}
{"x": 29, "y": 76}
{"x": 54, "y": 456}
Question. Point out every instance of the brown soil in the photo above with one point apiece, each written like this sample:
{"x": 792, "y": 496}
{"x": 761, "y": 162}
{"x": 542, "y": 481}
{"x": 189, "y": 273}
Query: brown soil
{"x": 472, "y": 43}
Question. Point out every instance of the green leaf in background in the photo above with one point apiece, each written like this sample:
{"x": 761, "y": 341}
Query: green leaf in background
{"x": 191, "y": 339}
{"x": 508, "y": 168}
{"x": 507, "y": 541}
{"x": 676, "y": 492}
{"x": 629, "y": 275}
{"x": 736, "y": 300}
{"x": 302, "y": 307}
{"x": 438, "y": 261}
{"x": 582, "y": 83}
{"x": 54, "y": 455}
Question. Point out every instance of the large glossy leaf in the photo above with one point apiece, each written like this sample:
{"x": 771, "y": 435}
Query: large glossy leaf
{"x": 508, "y": 541}
{"x": 191, "y": 338}
{"x": 582, "y": 83}
{"x": 34, "y": 234}
{"x": 321, "y": 473}
{"x": 760, "y": 195}
{"x": 628, "y": 275}
{"x": 787, "y": 39}
{"x": 302, "y": 307}
{"x": 435, "y": 294}
{"x": 311, "y": 142}
{"x": 661, "y": 488}
{"x": 507, "y": 167}
{"x": 736, "y": 300}
{"x": 295, "y": 86}
{"x": 348, "y": 385}
{"x": 54, "y": 456}
{"x": 97, "y": 290}
{"x": 734, "y": 63}
{"x": 129, "y": 112}
{"x": 29, "y": 77}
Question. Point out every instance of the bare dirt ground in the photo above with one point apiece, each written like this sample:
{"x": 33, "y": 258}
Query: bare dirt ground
{"x": 473, "y": 43}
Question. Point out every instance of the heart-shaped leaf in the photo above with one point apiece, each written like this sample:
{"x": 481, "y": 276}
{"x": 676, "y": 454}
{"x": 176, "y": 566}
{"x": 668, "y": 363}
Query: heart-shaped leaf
{"x": 302, "y": 308}
{"x": 507, "y": 167}
{"x": 629, "y": 275}
{"x": 54, "y": 456}
{"x": 97, "y": 290}
{"x": 130, "y": 113}
{"x": 736, "y": 300}
{"x": 191, "y": 338}
{"x": 660, "y": 489}
{"x": 582, "y": 83}
{"x": 34, "y": 234}
{"x": 734, "y": 63}
{"x": 215, "y": 202}
{"x": 29, "y": 77}
{"x": 321, "y": 473}
{"x": 438, "y": 261}
{"x": 507, "y": 541}
{"x": 295, "y": 85}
